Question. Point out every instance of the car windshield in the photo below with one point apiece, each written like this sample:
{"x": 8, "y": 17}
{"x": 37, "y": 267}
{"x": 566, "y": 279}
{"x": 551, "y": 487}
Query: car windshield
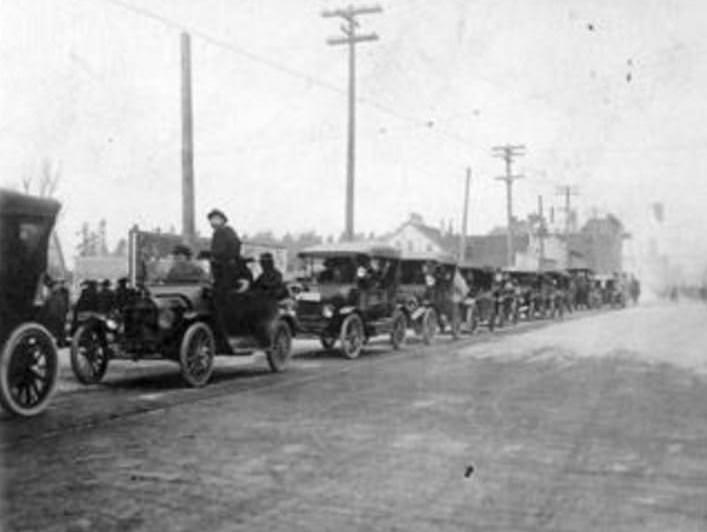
{"x": 330, "y": 270}
{"x": 413, "y": 272}
{"x": 157, "y": 271}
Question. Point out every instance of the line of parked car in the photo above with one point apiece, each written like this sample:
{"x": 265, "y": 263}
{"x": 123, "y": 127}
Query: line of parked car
{"x": 346, "y": 294}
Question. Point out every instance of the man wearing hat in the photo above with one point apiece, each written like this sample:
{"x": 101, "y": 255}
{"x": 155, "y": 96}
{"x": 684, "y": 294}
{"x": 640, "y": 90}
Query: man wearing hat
{"x": 270, "y": 280}
{"x": 105, "y": 298}
{"x": 184, "y": 270}
{"x": 225, "y": 252}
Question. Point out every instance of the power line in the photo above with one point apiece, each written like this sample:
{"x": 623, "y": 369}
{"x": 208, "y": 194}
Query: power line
{"x": 275, "y": 65}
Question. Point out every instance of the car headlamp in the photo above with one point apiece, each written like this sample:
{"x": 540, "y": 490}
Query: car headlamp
{"x": 111, "y": 324}
{"x": 328, "y": 311}
{"x": 166, "y": 318}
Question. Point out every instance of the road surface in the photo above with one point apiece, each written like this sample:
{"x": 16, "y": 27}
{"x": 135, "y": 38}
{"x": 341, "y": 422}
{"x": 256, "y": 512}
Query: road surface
{"x": 595, "y": 423}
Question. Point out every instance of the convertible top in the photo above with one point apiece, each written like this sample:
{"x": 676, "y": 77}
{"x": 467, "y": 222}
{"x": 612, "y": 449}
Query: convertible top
{"x": 15, "y": 203}
{"x": 345, "y": 249}
{"x": 442, "y": 258}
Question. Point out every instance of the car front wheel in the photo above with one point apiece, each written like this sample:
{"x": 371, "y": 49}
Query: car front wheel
{"x": 352, "y": 336}
{"x": 89, "y": 354}
{"x": 29, "y": 367}
{"x": 196, "y": 355}
{"x": 281, "y": 347}
{"x": 397, "y": 334}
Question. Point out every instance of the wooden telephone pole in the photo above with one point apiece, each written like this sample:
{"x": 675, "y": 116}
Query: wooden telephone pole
{"x": 188, "y": 224}
{"x": 508, "y": 153}
{"x": 567, "y": 191}
{"x": 465, "y": 218}
{"x": 351, "y": 38}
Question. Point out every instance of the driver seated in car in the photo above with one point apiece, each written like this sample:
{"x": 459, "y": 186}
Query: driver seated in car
{"x": 270, "y": 280}
{"x": 184, "y": 270}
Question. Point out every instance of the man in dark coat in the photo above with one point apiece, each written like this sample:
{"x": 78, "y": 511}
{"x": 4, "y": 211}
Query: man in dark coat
{"x": 106, "y": 298}
{"x": 270, "y": 280}
{"x": 225, "y": 252}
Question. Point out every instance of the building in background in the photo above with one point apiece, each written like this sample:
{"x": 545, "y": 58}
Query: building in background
{"x": 415, "y": 236}
{"x": 599, "y": 243}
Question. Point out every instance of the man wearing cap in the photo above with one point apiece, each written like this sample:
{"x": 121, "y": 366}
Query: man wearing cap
{"x": 225, "y": 251}
{"x": 184, "y": 270}
{"x": 270, "y": 280}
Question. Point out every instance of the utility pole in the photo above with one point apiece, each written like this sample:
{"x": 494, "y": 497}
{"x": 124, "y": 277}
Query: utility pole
{"x": 508, "y": 153}
{"x": 465, "y": 218}
{"x": 188, "y": 227}
{"x": 541, "y": 234}
{"x": 567, "y": 191}
{"x": 351, "y": 38}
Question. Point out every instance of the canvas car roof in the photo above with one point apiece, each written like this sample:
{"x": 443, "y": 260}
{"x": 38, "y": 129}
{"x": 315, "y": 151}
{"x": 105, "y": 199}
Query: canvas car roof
{"x": 344, "y": 249}
{"x": 470, "y": 265}
{"x": 15, "y": 203}
{"x": 443, "y": 258}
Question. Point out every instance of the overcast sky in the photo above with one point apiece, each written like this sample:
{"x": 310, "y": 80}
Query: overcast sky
{"x": 606, "y": 95}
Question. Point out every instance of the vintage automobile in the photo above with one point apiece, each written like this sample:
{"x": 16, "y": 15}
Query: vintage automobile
{"x": 28, "y": 357}
{"x": 427, "y": 294}
{"x": 554, "y": 289}
{"x": 527, "y": 288}
{"x": 479, "y": 308}
{"x": 583, "y": 282}
{"x": 187, "y": 323}
{"x": 507, "y": 299}
{"x": 349, "y": 293}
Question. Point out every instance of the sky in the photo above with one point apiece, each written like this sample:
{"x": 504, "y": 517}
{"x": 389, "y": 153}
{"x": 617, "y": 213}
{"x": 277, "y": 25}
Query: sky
{"x": 607, "y": 96}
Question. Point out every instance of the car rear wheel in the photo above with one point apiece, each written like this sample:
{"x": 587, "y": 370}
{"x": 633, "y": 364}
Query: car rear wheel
{"x": 352, "y": 336}
{"x": 281, "y": 347}
{"x": 89, "y": 354}
{"x": 430, "y": 325}
{"x": 29, "y": 367}
{"x": 399, "y": 329}
{"x": 196, "y": 355}
{"x": 456, "y": 325}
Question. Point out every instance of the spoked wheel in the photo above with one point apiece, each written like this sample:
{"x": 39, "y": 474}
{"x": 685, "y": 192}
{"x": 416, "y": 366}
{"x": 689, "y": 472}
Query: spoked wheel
{"x": 352, "y": 336}
{"x": 281, "y": 347}
{"x": 89, "y": 354}
{"x": 456, "y": 325}
{"x": 397, "y": 334}
{"x": 196, "y": 355}
{"x": 473, "y": 320}
{"x": 430, "y": 324}
{"x": 29, "y": 369}
{"x": 328, "y": 342}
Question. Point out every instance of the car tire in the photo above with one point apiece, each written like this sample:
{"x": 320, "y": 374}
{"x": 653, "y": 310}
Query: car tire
{"x": 352, "y": 336}
{"x": 280, "y": 348}
{"x": 29, "y": 368}
{"x": 456, "y": 322}
{"x": 429, "y": 325}
{"x": 398, "y": 330}
{"x": 89, "y": 354}
{"x": 196, "y": 355}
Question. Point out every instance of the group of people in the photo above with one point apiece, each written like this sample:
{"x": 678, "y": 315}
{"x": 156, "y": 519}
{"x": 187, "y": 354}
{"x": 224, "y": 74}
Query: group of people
{"x": 229, "y": 268}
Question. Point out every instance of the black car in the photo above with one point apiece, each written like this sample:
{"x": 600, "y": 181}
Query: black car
{"x": 181, "y": 322}
{"x": 28, "y": 357}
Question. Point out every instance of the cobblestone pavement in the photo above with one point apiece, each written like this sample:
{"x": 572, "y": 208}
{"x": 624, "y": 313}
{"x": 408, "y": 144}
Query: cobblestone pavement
{"x": 597, "y": 423}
